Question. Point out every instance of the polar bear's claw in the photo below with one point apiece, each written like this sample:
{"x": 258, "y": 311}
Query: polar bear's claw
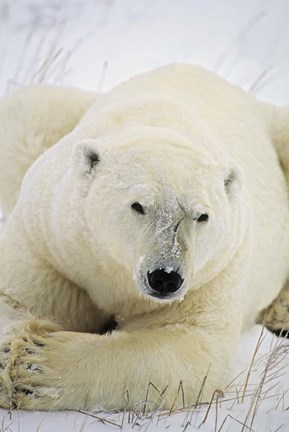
{"x": 24, "y": 377}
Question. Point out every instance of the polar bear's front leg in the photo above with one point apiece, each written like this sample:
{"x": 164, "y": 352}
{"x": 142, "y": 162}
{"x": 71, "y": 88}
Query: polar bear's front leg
{"x": 68, "y": 370}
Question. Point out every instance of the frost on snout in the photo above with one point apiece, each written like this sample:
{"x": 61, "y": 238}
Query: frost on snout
{"x": 162, "y": 270}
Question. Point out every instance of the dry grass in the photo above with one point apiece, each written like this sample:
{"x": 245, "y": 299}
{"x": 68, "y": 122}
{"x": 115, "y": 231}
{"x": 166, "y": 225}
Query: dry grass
{"x": 48, "y": 62}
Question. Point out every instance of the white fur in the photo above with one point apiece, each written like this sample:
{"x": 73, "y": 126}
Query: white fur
{"x": 182, "y": 142}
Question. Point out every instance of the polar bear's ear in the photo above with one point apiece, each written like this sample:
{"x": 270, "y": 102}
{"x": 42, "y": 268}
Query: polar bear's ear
{"x": 86, "y": 156}
{"x": 233, "y": 181}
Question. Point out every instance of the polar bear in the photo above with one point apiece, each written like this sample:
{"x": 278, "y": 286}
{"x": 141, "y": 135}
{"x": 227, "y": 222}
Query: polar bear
{"x": 151, "y": 228}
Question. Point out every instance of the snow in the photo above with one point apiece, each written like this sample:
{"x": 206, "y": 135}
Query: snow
{"x": 169, "y": 270}
{"x": 97, "y": 44}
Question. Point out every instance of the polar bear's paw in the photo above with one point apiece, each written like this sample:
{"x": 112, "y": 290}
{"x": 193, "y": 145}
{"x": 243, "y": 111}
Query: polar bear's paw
{"x": 25, "y": 380}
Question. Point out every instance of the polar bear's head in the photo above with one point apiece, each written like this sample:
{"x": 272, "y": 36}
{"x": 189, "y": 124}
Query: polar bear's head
{"x": 159, "y": 208}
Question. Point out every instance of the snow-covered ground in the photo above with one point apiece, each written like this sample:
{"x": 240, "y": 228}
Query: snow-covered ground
{"x": 95, "y": 44}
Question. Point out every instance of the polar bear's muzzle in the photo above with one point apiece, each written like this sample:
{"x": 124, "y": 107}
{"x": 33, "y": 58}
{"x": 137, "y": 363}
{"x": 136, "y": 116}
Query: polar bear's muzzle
{"x": 164, "y": 283}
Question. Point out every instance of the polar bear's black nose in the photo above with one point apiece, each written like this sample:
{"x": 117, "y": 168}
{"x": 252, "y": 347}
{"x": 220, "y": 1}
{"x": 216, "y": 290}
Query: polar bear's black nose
{"x": 163, "y": 282}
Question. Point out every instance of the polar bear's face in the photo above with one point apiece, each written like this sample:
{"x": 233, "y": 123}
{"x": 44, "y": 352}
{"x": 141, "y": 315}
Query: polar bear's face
{"x": 158, "y": 212}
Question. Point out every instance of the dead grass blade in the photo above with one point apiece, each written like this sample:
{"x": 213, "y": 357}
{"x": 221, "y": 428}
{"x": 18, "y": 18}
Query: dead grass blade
{"x": 101, "y": 419}
{"x": 259, "y": 342}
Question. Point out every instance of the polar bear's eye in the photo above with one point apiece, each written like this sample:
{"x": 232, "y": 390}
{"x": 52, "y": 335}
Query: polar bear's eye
{"x": 137, "y": 207}
{"x": 203, "y": 218}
